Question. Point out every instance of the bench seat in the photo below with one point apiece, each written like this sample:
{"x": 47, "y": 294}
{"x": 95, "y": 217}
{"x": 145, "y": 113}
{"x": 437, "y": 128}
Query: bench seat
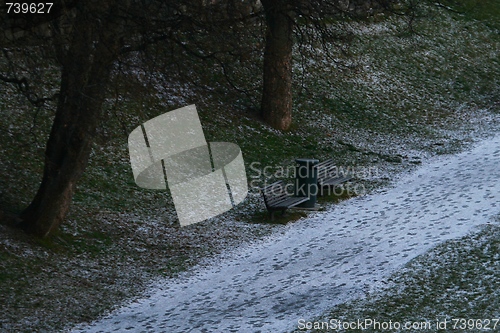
{"x": 276, "y": 198}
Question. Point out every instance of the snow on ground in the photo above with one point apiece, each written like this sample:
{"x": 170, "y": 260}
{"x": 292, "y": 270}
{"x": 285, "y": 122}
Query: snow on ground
{"x": 326, "y": 259}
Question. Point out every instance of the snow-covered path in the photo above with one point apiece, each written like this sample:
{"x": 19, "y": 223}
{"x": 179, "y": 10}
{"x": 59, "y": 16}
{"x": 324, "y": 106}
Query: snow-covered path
{"x": 328, "y": 258}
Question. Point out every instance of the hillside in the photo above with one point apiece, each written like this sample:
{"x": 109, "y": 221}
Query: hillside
{"x": 387, "y": 101}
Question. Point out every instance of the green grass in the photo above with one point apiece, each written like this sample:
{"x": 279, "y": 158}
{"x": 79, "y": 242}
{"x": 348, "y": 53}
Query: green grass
{"x": 486, "y": 11}
{"x": 290, "y": 215}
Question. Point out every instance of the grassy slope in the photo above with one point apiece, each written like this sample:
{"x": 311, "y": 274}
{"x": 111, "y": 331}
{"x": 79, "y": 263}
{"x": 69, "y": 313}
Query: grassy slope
{"x": 389, "y": 101}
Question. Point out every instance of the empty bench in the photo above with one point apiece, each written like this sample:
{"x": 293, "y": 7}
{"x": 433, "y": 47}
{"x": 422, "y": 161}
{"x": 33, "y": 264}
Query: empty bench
{"x": 276, "y": 198}
{"x": 329, "y": 175}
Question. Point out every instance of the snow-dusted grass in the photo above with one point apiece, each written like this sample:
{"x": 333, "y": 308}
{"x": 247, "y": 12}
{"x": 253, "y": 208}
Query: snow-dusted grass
{"x": 391, "y": 101}
{"x": 459, "y": 279}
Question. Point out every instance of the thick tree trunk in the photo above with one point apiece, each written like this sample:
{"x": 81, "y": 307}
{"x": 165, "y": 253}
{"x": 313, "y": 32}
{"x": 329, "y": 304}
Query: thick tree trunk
{"x": 276, "y": 104}
{"x": 86, "y": 67}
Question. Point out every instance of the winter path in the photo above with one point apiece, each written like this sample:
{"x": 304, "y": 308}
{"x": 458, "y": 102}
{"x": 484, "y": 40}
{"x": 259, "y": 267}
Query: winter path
{"x": 324, "y": 260}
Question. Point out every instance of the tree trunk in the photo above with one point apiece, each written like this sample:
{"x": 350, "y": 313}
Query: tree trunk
{"x": 276, "y": 104}
{"x": 86, "y": 67}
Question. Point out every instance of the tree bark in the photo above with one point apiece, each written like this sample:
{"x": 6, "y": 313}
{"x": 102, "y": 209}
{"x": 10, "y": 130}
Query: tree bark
{"x": 276, "y": 104}
{"x": 86, "y": 68}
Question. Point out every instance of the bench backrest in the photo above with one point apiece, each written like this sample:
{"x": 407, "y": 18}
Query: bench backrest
{"x": 328, "y": 169}
{"x": 274, "y": 193}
